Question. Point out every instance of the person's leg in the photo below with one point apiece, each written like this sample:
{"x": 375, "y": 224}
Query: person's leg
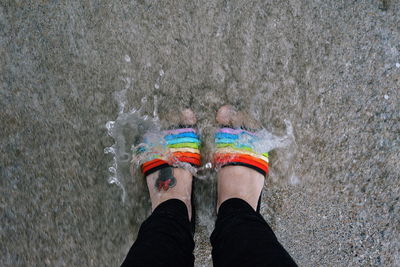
{"x": 241, "y": 236}
{"x": 166, "y": 238}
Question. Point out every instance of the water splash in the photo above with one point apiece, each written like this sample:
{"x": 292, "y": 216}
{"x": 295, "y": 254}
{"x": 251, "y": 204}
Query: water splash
{"x": 131, "y": 126}
{"x": 266, "y": 141}
{"x": 127, "y": 128}
{"x": 285, "y": 149}
{"x": 284, "y": 146}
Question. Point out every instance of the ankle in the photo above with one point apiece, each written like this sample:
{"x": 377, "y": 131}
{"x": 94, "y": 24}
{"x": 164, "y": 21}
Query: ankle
{"x": 179, "y": 187}
{"x": 239, "y": 182}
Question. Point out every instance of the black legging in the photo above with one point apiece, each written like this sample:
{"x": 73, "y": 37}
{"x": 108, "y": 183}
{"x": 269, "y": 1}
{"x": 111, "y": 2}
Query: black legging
{"x": 241, "y": 238}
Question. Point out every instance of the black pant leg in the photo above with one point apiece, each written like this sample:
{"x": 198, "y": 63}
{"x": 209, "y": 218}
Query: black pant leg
{"x": 164, "y": 239}
{"x": 243, "y": 238}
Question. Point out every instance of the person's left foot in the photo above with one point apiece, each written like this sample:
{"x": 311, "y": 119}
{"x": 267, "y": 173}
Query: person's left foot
{"x": 238, "y": 181}
{"x": 173, "y": 183}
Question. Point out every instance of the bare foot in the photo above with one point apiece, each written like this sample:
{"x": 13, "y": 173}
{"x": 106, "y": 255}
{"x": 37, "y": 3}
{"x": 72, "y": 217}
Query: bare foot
{"x": 238, "y": 181}
{"x": 181, "y": 185}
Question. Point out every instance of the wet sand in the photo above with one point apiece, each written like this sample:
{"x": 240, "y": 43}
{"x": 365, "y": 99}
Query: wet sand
{"x": 332, "y": 68}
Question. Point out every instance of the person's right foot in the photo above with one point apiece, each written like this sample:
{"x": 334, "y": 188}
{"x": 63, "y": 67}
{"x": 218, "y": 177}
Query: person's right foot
{"x": 181, "y": 187}
{"x": 238, "y": 181}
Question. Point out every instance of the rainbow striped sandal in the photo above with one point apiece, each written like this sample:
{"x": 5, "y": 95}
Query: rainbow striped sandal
{"x": 236, "y": 147}
{"x": 176, "y": 146}
{"x": 170, "y": 149}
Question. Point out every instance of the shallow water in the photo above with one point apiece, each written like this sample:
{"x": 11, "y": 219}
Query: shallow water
{"x": 329, "y": 68}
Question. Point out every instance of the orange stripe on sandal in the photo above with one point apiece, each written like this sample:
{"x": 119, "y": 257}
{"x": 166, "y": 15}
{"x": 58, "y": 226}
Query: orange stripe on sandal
{"x": 231, "y": 158}
{"x": 153, "y": 163}
{"x": 186, "y": 154}
{"x": 147, "y": 168}
{"x": 256, "y": 164}
{"x": 235, "y": 156}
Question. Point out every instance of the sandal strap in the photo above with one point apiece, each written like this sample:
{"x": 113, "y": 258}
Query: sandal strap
{"x": 182, "y": 145}
{"x": 236, "y": 147}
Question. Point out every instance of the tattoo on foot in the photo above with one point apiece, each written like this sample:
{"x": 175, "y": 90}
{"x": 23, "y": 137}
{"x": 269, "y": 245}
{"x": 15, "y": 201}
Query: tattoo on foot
{"x": 165, "y": 179}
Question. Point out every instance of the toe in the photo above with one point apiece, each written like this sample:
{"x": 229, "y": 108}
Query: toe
{"x": 238, "y": 120}
{"x": 225, "y": 115}
{"x": 228, "y": 116}
{"x": 188, "y": 117}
